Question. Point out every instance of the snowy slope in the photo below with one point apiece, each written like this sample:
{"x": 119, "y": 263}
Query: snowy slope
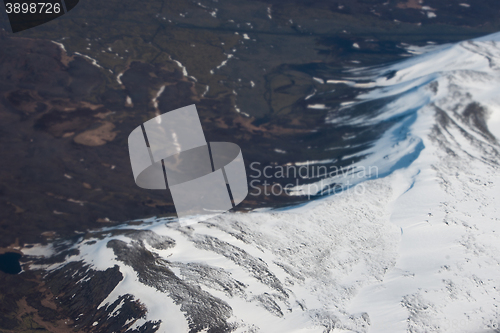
{"x": 415, "y": 251}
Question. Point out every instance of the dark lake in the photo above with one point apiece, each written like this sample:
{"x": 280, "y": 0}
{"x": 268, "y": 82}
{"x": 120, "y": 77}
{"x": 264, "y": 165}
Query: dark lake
{"x": 9, "y": 263}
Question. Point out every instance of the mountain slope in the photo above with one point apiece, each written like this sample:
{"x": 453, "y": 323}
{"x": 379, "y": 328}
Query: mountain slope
{"x": 414, "y": 249}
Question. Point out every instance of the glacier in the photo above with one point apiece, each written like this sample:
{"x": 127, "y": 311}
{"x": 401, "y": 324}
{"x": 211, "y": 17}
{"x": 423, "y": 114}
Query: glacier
{"x": 416, "y": 251}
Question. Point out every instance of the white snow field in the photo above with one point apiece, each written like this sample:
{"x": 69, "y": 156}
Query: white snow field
{"x": 415, "y": 250}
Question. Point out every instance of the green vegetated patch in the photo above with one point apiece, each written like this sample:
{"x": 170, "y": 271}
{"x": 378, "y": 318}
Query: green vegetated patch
{"x": 29, "y": 325}
{"x": 21, "y": 304}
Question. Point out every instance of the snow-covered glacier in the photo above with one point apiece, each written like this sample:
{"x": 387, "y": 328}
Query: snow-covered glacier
{"x": 416, "y": 251}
